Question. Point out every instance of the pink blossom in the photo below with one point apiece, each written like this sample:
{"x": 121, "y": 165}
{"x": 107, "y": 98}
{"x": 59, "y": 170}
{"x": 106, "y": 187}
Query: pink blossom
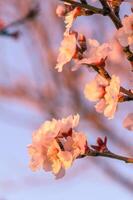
{"x": 106, "y": 92}
{"x": 76, "y": 144}
{"x": 94, "y": 53}
{"x": 66, "y": 51}
{"x": 125, "y": 34}
{"x": 55, "y": 145}
{"x": 95, "y": 89}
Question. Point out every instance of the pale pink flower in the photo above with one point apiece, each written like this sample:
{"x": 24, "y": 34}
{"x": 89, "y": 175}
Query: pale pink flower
{"x": 68, "y": 123}
{"x": 58, "y": 158}
{"x": 48, "y": 149}
{"x": 125, "y": 34}
{"x": 112, "y": 97}
{"x": 66, "y": 51}
{"x": 106, "y": 92}
{"x": 95, "y": 89}
{"x": 128, "y": 122}
{"x": 94, "y": 53}
{"x": 76, "y": 144}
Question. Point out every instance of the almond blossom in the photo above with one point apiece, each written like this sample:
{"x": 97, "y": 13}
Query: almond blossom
{"x": 94, "y": 53}
{"x": 95, "y": 89}
{"x": 66, "y": 51}
{"x": 55, "y": 145}
{"x": 128, "y": 122}
{"x": 107, "y": 93}
{"x": 125, "y": 34}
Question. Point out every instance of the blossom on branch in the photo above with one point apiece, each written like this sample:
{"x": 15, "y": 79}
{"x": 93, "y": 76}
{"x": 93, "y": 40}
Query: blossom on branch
{"x": 94, "y": 53}
{"x": 107, "y": 93}
{"x": 55, "y": 145}
{"x": 66, "y": 51}
{"x": 125, "y": 34}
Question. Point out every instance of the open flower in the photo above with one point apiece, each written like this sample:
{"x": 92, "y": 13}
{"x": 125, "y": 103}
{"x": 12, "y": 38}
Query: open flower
{"x": 95, "y": 89}
{"x": 76, "y": 144}
{"x": 55, "y": 145}
{"x": 107, "y": 93}
{"x": 94, "y": 53}
{"x": 66, "y": 51}
{"x": 125, "y": 34}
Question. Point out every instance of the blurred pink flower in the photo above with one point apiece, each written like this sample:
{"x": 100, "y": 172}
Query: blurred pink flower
{"x": 128, "y": 122}
{"x": 111, "y": 97}
{"x": 125, "y": 34}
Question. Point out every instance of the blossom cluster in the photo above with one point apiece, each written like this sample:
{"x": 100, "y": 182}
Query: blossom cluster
{"x": 55, "y": 145}
{"x": 88, "y": 52}
{"x": 125, "y": 34}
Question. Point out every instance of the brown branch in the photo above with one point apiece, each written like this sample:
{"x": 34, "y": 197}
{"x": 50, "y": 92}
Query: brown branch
{"x": 109, "y": 154}
{"x": 93, "y": 9}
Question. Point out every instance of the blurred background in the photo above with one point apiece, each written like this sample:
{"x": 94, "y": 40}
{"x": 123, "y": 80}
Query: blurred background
{"x": 31, "y": 91}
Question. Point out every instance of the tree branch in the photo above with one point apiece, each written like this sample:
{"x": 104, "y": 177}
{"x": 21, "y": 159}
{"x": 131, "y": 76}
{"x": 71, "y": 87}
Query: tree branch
{"x": 32, "y": 13}
{"x": 93, "y": 9}
{"x": 109, "y": 154}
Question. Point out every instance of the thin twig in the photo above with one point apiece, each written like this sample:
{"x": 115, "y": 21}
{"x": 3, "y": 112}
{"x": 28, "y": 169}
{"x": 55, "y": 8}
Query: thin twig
{"x": 109, "y": 154}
